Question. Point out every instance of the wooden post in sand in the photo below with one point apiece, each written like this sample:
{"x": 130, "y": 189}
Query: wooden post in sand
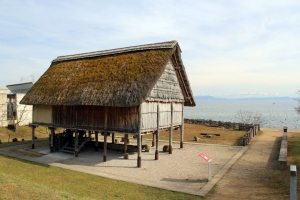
{"x": 51, "y": 139}
{"x": 171, "y": 130}
{"x": 157, "y": 133}
{"x": 105, "y": 147}
{"x": 32, "y": 135}
{"x": 76, "y": 143}
{"x": 182, "y": 130}
{"x": 139, "y": 158}
{"x": 96, "y": 140}
{"x": 125, "y": 146}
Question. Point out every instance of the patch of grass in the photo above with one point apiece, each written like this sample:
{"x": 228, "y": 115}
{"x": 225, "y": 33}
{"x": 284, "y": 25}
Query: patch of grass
{"x": 24, "y": 132}
{"x": 227, "y": 137}
{"x": 294, "y": 155}
{"x": 27, "y": 180}
{"x": 294, "y": 149}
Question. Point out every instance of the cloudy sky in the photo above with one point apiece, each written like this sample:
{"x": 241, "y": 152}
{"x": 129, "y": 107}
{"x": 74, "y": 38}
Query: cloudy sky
{"x": 229, "y": 48}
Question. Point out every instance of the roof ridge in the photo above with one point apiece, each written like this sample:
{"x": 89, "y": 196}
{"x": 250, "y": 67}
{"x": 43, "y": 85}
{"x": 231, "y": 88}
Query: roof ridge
{"x": 161, "y": 45}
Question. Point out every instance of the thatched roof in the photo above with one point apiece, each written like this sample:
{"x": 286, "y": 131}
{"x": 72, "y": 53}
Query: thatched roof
{"x": 119, "y": 77}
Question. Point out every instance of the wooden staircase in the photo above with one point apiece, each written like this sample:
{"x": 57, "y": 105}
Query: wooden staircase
{"x": 81, "y": 143}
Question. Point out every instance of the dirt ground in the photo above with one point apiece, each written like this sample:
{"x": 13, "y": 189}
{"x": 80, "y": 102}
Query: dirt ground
{"x": 255, "y": 175}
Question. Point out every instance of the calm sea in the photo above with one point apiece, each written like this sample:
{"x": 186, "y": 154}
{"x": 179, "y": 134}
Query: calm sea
{"x": 275, "y": 114}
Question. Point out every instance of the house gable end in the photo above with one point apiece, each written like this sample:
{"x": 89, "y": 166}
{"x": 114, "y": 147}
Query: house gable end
{"x": 167, "y": 87}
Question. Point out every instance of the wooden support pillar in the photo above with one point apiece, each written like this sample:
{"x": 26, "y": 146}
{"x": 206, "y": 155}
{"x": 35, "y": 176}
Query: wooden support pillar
{"x": 112, "y": 138}
{"x": 89, "y": 134}
{"x": 105, "y": 147}
{"x": 181, "y": 135}
{"x": 182, "y": 130}
{"x": 171, "y": 130}
{"x": 139, "y": 159}
{"x": 125, "y": 146}
{"x": 96, "y": 140}
{"x": 157, "y": 133}
{"x": 76, "y": 143}
{"x": 153, "y": 140}
{"x": 52, "y": 139}
{"x": 33, "y": 136}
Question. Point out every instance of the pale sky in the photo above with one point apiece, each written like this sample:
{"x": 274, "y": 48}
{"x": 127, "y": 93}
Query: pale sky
{"x": 229, "y": 48}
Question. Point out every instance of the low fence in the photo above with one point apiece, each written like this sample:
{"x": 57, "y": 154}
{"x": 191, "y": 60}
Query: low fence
{"x": 250, "y": 128}
{"x": 227, "y": 125}
{"x": 249, "y": 135}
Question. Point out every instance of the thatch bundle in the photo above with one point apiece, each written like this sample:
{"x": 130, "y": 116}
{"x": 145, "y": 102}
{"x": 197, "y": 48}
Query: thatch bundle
{"x": 122, "y": 77}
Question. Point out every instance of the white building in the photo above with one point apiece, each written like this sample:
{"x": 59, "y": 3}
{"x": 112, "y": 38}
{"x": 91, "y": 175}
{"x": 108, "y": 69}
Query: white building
{"x": 11, "y": 111}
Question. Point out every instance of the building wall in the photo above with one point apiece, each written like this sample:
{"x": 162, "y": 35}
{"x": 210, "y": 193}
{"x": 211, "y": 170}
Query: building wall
{"x": 149, "y": 115}
{"x": 42, "y": 114}
{"x": 3, "y": 107}
{"x": 167, "y": 88}
{"x": 24, "y": 112}
{"x": 119, "y": 119}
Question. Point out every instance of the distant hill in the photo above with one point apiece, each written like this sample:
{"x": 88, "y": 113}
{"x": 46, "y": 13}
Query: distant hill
{"x": 211, "y": 98}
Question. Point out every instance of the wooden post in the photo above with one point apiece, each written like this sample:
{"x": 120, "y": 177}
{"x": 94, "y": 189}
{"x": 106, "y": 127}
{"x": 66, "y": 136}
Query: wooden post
{"x": 76, "y": 143}
{"x": 125, "y": 146}
{"x": 112, "y": 138}
{"x": 171, "y": 130}
{"x": 90, "y": 133}
{"x": 157, "y": 133}
{"x": 153, "y": 140}
{"x": 139, "y": 159}
{"x": 105, "y": 147}
{"x": 51, "y": 139}
{"x": 33, "y": 137}
{"x": 96, "y": 140}
{"x": 182, "y": 130}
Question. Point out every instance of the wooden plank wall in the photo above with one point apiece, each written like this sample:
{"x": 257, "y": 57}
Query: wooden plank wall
{"x": 123, "y": 119}
{"x": 149, "y": 115}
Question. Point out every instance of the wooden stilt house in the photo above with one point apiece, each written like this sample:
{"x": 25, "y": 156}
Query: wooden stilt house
{"x": 133, "y": 90}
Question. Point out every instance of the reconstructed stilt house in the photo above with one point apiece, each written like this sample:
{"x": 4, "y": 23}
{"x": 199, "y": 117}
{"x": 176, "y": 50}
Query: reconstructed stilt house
{"x": 133, "y": 90}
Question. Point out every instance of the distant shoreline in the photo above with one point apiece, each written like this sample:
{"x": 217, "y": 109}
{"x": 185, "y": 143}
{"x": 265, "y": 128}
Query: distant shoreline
{"x": 211, "y": 98}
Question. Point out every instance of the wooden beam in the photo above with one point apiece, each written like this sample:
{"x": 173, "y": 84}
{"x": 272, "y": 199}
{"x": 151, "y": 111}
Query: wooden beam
{"x": 96, "y": 140}
{"x": 105, "y": 147}
{"x": 182, "y": 129}
{"x": 125, "y": 146}
{"x": 52, "y": 139}
{"x": 139, "y": 159}
{"x": 157, "y": 133}
{"x": 152, "y": 139}
{"x": 33, "y": 136}
{"x": 76, "y": 143}
{"x": 90, "y": 133}
{"x": 171, "y": 130}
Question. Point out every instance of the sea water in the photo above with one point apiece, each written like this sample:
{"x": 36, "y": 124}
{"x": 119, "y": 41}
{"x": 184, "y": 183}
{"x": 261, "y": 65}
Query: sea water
{"x": 274, "y": 114}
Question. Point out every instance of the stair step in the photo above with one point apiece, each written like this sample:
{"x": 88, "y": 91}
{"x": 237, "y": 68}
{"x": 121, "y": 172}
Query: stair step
{"x": 67, "y": 151}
